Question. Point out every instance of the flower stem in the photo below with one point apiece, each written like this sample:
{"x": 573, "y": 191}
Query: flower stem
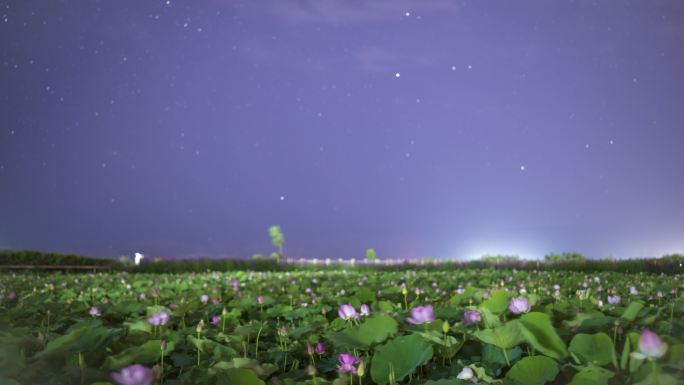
{"x": 81, "y": 366}
{"x": 161, "y": 366}
{"x": 508, "y": 362}
{"x": 199, "y": 345}
{"x": 256, "y": 348}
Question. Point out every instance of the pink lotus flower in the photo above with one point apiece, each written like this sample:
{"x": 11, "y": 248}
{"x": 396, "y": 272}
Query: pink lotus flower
{"x": 163, "y": 317}
{"x": 365, "y": 310}
{"x": 260, "y": 299}
{"x": 134, "y": 375}
{"x": 347, "y": 362}
{"x": 94, "y": 311}
{"x": 471, "y": 317}
{"x": 519, "y": 305}
{"x": 347, "y": 312}
{"x": 157, "y": 319}
{"x": 650, "y": 346}
{"x": 421, "y": 315}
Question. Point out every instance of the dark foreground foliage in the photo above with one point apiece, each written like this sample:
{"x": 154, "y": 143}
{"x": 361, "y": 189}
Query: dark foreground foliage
{"x": 418, "y": 327}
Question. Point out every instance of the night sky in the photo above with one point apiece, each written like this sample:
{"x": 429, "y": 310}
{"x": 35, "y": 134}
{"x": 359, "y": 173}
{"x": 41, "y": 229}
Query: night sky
{"x": 420, "y": 128}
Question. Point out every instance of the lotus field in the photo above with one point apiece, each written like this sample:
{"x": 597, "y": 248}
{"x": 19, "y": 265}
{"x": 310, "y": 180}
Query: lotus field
{"x": 342, "y": 327}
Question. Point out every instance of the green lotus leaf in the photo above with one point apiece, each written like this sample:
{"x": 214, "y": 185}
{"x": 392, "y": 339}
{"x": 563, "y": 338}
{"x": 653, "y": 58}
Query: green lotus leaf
{"x": 533, "y": 370}
{"x": 400, "y": 356}
{"x": 596, "y": 348}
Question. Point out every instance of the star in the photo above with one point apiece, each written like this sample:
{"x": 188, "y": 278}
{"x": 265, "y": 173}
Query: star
{"x": 522, "y": 168}
{"x": 397, "y": 75}
{"x": 282, "y": 197}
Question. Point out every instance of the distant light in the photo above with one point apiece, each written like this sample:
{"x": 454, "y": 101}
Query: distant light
{"x": 453, "y": 68}
{"x": 470, "y": 66}
{"x": 611, "y": 141}
{"x": 282, "y": 197}
{"x": 138, "y": 257}
{"x": 522, "y": 168}
{"x": 407, "y": 14}
{"x": 397, "y": 75}
{"x": 586, "y": 145}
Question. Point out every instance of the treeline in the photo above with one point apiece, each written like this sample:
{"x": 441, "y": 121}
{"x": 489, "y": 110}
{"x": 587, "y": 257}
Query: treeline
{"x": 34, "y": 258}
{"x": 668, "y": 264}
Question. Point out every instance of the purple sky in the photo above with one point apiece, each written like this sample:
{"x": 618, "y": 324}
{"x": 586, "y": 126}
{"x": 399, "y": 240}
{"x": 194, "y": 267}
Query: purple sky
{"x": 421, "y": 128}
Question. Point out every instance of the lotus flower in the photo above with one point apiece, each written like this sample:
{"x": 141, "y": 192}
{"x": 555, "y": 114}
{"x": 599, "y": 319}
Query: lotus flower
{"x": 134, "y": 375}
{"x": 650, "y": 346}
{"x": 347, "y": 312}
{"x": 154, "y": 320}
{"x": 519, "y": 305}
{"x": 613, "y": 300}
{"x": 94, "y": 311}
{"x": 157, "y": 319}
{"x": 260, "y": 299}
{"x": 163, "y": 317}
{"x": 347, "y": 362}
{"x": 471, "y": 317}
{"x": 466, "y": 374}
{"x": 421, "y": 315}
{"x": 320, "y": 348}
{"x": 365, "y": 310}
